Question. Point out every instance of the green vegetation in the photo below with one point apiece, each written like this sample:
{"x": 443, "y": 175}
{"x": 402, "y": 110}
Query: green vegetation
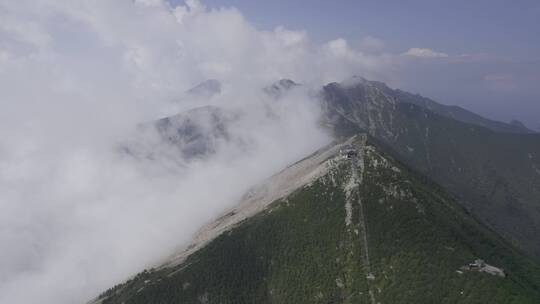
{"x": 495, "y": 175}
{"x": 301, "y": 250}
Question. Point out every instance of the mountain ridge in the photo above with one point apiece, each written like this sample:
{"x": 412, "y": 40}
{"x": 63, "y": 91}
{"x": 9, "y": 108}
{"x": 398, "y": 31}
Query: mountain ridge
{"x": 495, "y": 175}
{"x": 260, "y": 196}
{"x": 366, "y": 230}
{"x": 451, "y": 111}
{"x": 387, "y": 150}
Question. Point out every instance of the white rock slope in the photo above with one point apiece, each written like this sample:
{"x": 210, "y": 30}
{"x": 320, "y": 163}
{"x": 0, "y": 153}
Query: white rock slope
{"x": 261, "y": 196}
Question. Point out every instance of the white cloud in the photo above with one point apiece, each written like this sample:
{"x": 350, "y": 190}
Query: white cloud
{"x": 428, "y": 53}
{"x": 290, "y": 38}
{"x": 76, "y": 76}
{"x": 150, "y": 2}
{"x": 4, "y": 56}
{"x": 498, "y": 77}
{"x": 500, "y": 81}
{"x": 370, "y": 43}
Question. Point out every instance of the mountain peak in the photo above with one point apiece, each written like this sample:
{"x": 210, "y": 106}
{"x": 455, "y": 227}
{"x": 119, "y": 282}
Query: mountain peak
{"x": 280, "y": 87}
{"x": 353, "y": 81}
{"x": 286, "y": 83}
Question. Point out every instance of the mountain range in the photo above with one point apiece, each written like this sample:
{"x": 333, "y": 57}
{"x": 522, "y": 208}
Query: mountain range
{"x": 495, "y": 175}
{"x": 413, "y": 202}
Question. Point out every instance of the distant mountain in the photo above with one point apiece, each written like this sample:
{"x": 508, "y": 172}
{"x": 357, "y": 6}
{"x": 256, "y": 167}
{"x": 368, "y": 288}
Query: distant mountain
{"x": 194, "y": 134}
{"x": 280, "y": 87}
{"x": 197, "y": 132}
{"x": 495, "y": 175}
{"x": 348, "y": 224}
{"x": 454, "y": 112}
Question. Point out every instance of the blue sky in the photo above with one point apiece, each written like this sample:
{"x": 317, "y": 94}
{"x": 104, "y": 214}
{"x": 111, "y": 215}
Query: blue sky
{"x": 454, "y": 26}
{"x": 501, "y": 39}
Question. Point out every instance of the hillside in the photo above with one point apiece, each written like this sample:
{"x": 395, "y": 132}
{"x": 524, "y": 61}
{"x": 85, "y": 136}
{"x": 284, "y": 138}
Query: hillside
{"x": 495, "y": 175}
{"x": 356, "y": 227}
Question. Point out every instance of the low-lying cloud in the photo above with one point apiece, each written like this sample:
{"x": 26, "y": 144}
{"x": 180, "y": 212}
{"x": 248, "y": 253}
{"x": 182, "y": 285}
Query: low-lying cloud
{"x": 78, "y": 213}
{"x": 422, "y": 52}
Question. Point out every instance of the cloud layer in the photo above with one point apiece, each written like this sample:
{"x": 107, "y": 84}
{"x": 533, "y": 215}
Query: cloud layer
{"x": 422, "y": 52}
{"x": 76, "y": 77}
